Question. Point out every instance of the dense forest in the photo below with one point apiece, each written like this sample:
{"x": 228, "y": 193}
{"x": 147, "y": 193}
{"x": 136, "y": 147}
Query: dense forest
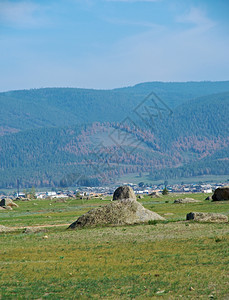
{"x": 62, "y": 137}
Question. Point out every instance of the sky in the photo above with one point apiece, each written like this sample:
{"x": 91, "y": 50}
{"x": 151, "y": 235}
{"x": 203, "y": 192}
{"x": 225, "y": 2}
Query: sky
{"x": 106, "y": 44}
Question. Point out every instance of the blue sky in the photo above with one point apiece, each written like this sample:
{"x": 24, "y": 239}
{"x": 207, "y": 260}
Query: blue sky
{"x": 111, "y": 43}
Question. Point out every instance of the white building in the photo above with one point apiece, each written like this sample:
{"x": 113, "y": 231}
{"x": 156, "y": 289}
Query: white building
{"x": 51, "y": 194}
{"x": 207, "y": 191}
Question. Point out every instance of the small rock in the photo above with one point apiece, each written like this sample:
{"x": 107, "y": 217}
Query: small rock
{"x": 3, "y": 229}
{"x": 155, "y": 195}
{"x": 61, "y": 200}
{"x": 186, "y": 200}
{"x": 34, "y": 230}
{"x": 24, "y": 199}
{"x": 207, "y": 217}
{"x": 160, "y": 292}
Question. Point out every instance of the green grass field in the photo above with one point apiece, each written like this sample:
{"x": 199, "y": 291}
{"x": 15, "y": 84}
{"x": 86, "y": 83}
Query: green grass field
{"x": 167, "y": 260}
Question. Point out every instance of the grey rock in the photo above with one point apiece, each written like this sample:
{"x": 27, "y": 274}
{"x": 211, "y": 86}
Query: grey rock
{"x": 34, "y": 230}
{"x": 4, "y": 228}
{"x": 186, "y": 200}
{"x": 124, "y": 192}
{"x": 25, "y": 199}
{"x": 154, "y": 195}
{"x": 123, "y": 212}
{"x": 207, "y": 217}
{"x": 60, "y": 200}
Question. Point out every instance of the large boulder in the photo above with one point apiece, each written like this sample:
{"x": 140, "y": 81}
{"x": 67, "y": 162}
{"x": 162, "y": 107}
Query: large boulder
{"x": 207, "y": 217}
{"x": 221, "y": 193}
{"x": 123, "y": 212}
{"x": 124, "y": 192}
{"x": 186, "y": 200}
{"x": 7, "y": 203}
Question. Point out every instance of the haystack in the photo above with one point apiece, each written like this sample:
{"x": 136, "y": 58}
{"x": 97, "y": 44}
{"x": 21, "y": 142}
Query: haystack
{"x": 123, "y": 212}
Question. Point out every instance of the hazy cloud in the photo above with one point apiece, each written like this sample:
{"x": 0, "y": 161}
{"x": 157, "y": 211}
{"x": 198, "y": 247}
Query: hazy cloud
{"x": 22, "y": 14}
{"x": 134, "y": 23}
{"x": 196, "y": 16}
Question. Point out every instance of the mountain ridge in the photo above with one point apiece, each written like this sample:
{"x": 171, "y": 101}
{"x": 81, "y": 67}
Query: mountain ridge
{"x": 184, "y": 143}
{"x": 47, "y": 107}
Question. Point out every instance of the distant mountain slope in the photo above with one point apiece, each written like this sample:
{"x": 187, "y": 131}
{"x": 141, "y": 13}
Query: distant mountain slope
{"x": 216, "y": 164}
{"x": 193, "y": 140}
{"x": 206, "y": 116}
{"x": 58, "y": 107}
{"x": 176, "y": 93}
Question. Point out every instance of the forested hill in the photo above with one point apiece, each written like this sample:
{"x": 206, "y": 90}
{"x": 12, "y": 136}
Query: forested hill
{"x": 205, "y": 116}
{"x": 193, "y": 140}
{"x": 58, "y": 107}
{"x": 175, "y": 93}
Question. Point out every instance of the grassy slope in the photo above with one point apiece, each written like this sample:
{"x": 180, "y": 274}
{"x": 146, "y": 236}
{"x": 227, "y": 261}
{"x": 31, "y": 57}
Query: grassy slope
{"x": 146, "y": 261}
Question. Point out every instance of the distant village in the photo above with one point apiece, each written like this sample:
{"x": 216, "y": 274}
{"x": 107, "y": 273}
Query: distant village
{"x": 87, "y": 192}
